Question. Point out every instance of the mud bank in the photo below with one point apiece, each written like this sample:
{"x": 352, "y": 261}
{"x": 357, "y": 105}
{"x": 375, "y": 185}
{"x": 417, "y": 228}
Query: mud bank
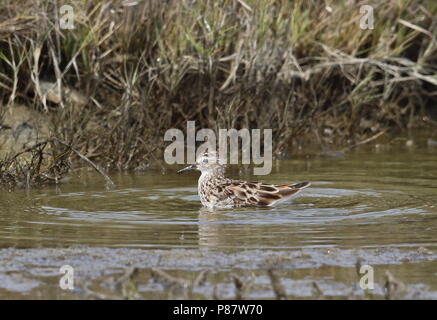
{"x": 160, "y": 274}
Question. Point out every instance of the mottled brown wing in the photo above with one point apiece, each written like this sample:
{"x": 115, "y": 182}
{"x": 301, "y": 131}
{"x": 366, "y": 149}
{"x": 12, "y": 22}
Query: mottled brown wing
{"x": 258, "y": 194}
{"x": 241, "y": 195}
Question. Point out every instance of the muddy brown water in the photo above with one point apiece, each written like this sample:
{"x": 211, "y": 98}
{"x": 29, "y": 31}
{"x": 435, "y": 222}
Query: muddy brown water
{"x": 374, "y": 206}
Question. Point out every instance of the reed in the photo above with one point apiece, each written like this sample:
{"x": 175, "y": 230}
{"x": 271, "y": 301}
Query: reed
{"x": 302, "y": 68}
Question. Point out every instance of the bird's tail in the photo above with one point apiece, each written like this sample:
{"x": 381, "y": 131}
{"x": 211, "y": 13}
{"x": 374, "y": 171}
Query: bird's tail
{"x": 287, "y": 190}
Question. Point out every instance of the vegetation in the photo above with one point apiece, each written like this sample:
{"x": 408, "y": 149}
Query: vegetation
{"x": 303, "y": 68}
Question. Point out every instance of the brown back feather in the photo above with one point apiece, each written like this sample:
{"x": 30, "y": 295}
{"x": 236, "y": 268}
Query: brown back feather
{"x": 258, "y": 194}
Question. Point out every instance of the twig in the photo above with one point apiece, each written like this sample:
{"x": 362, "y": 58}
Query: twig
{"x": 278, "y": 289}
{"x": 200, "y": 279}
{"x": 393, "y": 287}
{"x": 316, "y": 291}
{"x": 374, "y": 137}
{"x": 169, "y": 279}
{"x": 239, "y": 284}
{"x": 109, "y": 182}
{"x": 127, "y": 285}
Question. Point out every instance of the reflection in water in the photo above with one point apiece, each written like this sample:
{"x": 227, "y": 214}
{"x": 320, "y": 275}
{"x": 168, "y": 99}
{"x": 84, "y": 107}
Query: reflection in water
{"x": 211, "y": 228}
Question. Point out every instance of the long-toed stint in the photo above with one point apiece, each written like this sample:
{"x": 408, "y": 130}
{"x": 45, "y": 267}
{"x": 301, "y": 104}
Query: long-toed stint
{"x": 217, "y": 191}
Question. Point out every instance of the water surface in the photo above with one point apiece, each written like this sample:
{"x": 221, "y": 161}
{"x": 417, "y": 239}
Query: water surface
{"x": 378, "y": 207}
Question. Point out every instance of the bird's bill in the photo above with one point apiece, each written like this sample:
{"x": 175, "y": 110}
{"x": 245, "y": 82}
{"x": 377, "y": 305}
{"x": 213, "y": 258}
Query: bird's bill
{"x": 191, "y": 167}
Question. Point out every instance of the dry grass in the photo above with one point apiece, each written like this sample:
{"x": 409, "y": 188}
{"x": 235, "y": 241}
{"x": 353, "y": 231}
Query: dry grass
{"x": 37, "y": 165}
{"x": 303, "y": 68}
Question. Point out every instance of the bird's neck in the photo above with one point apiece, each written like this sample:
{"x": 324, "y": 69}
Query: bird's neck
{"x": 214, "y": 174}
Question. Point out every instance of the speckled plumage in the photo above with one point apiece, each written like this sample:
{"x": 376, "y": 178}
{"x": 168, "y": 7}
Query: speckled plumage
{"x": 217, "y": 191}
